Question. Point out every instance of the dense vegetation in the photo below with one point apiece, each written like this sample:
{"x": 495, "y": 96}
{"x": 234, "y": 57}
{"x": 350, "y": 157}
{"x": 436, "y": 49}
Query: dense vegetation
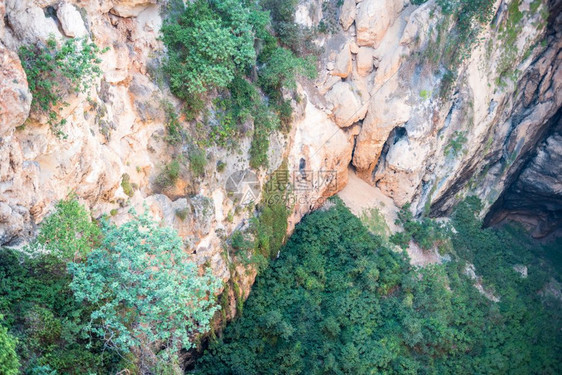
{"x": 54, "y": 71}
{"x": 226, "y": 49}
{"x": 84, "y": 300}
{"x": 338, "y": 301}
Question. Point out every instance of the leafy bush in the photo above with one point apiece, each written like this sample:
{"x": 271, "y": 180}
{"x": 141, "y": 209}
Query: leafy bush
{"x": 53, "y": 72}
{"x": 456, "y": 143}
{"x": 197, "y": 161}
{"x": 126, "y": 185}
{"x": 41, "y": 312}
{"x": 214, "y": 46}
{"x": 169, "y": 174}
{"x": 425, "y": 232}
{"x": 67, "y": 234}
{"x": 9, "y": 363}
{"x": 204, "y": 51}
{"x": 281, "y": 69}
{"x": 147, "y": 294}
{"x": 173, "y": 126}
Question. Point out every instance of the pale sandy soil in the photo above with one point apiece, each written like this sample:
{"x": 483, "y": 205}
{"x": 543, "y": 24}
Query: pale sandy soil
{"x": 360, "y": 197}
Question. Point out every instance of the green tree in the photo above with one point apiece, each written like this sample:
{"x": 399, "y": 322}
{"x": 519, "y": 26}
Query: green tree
{"x": 148, "y": 294}
{"x": 9, "y": 363}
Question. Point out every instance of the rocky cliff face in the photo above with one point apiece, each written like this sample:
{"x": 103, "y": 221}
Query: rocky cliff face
{"x": 114, "y": 149}
{"x": 383, "y": 104}
{"x": 424, "y": 135}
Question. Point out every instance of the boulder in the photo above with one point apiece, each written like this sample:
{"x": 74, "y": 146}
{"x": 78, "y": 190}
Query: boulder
{"x": 374, "y": 17}
{"x": 71, "y": 21}
{"x": 365, "y": 61}
{"x": 29, "y": 23}
{"x": 348, "y": 107}
{"x": 342, "y": 67}
{"x": 348, "y": 12}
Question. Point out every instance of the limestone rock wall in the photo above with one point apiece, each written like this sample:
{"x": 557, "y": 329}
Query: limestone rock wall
{"x": 115, "y": 133}
{"x": 411, "y": 139}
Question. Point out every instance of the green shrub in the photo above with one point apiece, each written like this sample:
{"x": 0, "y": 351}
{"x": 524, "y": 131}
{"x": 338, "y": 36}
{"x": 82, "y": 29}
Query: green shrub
{"x": 147, "y": 294}
{"x": 197, "y": 161}
{"x": 456, "y": 144}
{"x": 9, "y": 363}
{"x": 53, "y": 72}
{"x": 204, "y": 51}
{"x": 126, "y": 185}
{"x": 281, "y": 69}
{"x": 374, "y": 220}
{"x": 214, "y": 45}
{"x": 425, "y": 232}
{"x": 169, "y": 175}
{"x": 221, "y": 165}
{"x": 68, "y": 233}
{"x": 40, "y": 310}
{"x": 173, "y": 126}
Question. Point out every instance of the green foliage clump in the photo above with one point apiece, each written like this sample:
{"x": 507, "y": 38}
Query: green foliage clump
{"x": 338, "y": 301}
{"x": 205, "y": 48}
{"x": 225, "y": 48}
{"x": 53, "y": 72}
{"x": 126, "y": 185}
{"x": 174, "y": 129}
{"x": 425, "y": 232}
{"x": 39, "y": 306}
{"x": 9, "y": 362}
{"x": 169, "y": 174}
{"x": 67, "y": 234}
{"x": 197, "y": 161}
{"x": 374, "y": 220}
{"x": 456, "y": 143}
{"x": 147, "y": 295}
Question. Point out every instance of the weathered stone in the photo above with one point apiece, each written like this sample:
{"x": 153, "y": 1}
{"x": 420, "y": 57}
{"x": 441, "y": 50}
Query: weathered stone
{"x": 71, "y": 21}
{"x": 29, "y": 23}
{"x": 131, "y": 8}
{"x": 342, "y": 66}
{"x": 348, "y": 12}
{"x": 348, "y": 107}
{"x": 374, "y": 17}
{"x": 14, "y": 93}
{"x": 364, "y": 61}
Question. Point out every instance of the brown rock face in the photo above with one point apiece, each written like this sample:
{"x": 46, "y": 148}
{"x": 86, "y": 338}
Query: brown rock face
{"x": 16, "y": 98}
{"x": 131, "y": 8}
{"x": 348, "y": 105}
{"x": 373, "y": 20}
{"x": 348, "y": 13}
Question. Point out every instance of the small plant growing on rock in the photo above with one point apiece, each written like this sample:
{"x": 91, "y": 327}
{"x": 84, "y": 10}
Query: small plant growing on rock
{"x": 126, "y": 185}
{"x": 169, "y": 175}
{"x": 197, "y": 162}
{"x": 53, "y": 72}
